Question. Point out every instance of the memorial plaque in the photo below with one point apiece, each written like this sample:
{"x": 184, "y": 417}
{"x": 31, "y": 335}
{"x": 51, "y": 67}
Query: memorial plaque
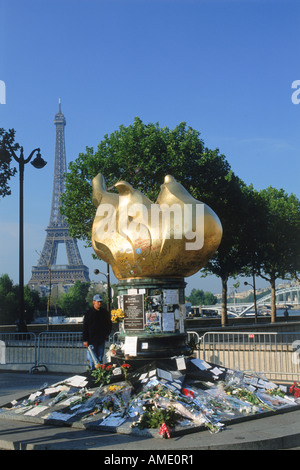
{"x": 133, "y": 312}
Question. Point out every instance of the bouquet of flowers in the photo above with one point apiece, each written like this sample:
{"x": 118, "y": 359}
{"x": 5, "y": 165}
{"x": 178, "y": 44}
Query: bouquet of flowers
{"x": 117, "y": 315}
{"x": 295, "y": 390}
{"x": 125, "y": 368}
{"x": 115, "y": 397}
{"x": 103, "y": 373}
{"x": 114, "y": 348}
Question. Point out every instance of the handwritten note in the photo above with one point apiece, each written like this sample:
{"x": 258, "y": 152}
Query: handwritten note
{"x": 168, "y": 321}
{"x": 130, "y": 346}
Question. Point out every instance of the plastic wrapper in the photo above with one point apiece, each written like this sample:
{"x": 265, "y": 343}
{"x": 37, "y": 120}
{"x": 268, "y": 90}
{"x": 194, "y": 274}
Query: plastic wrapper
{"x": 109, "y": 398}
{"x": 234, "y": 378}
{"x": 135, "y": 408}
{"x": 156, "y": 396}
{"x": 274, "y": 402}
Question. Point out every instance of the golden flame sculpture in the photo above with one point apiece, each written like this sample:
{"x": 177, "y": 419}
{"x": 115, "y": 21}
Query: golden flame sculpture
{"x": 174, "y": 237}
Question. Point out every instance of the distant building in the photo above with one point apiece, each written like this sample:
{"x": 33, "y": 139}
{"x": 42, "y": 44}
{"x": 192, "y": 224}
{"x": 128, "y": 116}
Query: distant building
{"x": 47, "y": 273}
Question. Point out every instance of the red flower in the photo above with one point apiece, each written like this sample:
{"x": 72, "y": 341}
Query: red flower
{"x": 294, "y": 389}
{"x": 188, "y": 393}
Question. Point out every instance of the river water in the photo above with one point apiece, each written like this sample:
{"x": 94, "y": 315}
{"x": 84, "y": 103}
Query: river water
{"x": 292, "y": 312}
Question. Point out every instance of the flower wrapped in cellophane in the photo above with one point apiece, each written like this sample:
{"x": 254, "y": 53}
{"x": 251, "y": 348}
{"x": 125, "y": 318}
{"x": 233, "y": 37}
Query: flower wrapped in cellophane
{"x": 117, "y": 315}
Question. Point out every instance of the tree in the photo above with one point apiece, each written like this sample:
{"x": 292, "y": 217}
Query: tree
{"x": 6, "y": 172}
{"x": 8, "y": 301}
{"x": 31, "y": 303}
{"x": 232, "y": 203}
{"x": 74, "y": 302}
{"x": 255, "y": 219}
{"x": 199, "y": 297}
{"x": 142, "y": 155}
{"x": 278, "y": 243}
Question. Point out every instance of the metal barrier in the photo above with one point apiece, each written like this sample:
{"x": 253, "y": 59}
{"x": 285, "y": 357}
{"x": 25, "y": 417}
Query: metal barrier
{"x": 18, "y": 348}
{"x": 274, "y": 355}
{"x": 41, "y": 351}
{"x": 193, "y": 339}
{"x": 60, "y": 348}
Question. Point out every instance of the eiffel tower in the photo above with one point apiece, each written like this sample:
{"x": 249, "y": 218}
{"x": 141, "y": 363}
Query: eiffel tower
{"x": 47, "y": 273}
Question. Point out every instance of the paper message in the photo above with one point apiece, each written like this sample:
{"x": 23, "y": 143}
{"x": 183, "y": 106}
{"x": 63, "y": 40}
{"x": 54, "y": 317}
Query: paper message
{"x": 201, "y": 364}
{"x": 130, "y": 346}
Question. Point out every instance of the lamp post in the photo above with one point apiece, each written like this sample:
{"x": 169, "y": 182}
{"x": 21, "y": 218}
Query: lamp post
{"x": 107, "y": 275}
{"x": 38, "y": 163}
{"x": 254, "y": 294}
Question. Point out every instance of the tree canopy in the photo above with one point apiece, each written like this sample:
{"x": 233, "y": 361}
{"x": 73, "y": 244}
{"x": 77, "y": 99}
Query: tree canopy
{"x": 199, "y": 297}
{"x": 261, "y": 229}
{"x": 278, "y": 241}
{"x": 142, "y": 154}
{"x": 6, "y": 171}
{"x": 9, "y": 301}
{"x": 74, "y": 302}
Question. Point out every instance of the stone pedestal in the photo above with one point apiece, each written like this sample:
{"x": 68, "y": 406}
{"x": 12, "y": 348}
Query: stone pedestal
{"x": 153, "y": 327}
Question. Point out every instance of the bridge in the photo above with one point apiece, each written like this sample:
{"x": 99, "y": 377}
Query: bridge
{"x": 285, "y": 298}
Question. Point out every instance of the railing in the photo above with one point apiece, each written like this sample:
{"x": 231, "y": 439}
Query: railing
{"x": 60, "y": 348}
{"x": 274, "y": 355}
{"x": 18, "y": 348}
{"x": 41, "y": 351}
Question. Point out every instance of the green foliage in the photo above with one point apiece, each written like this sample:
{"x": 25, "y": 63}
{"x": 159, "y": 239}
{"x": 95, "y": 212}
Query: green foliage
{"x": 154, "y": 417}
{"x": 9, "y": 301}
{"x": 232, "y": 206}
{"x": 74, "y": 302}
{"x": 277, "y": 253}
{"x": 32, "y": 303}
{"x": 260, "y": 229}
{"x": 199, "y": 297}
{"x": 279, "y": 240}
{"x": 6, "y": 171}
{"x": 142, "y": 154}
{"x": 9, "y": 308}
{"x": 102, "y": 373}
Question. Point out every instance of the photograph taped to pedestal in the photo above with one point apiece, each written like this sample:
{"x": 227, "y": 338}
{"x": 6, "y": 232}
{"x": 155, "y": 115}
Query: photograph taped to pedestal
{"x": 171, "y": 296}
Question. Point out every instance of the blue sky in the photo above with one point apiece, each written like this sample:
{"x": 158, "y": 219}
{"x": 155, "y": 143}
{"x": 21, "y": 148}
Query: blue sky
{"x": 225, "y": 67}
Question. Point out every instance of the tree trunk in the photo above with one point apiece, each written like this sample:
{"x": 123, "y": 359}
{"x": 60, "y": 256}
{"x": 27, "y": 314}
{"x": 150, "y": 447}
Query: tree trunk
{"x": 224, "y": 302}
{"x": 273, "y": 301}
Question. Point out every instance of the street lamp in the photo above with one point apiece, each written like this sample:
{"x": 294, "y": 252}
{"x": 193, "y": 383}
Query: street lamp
{"x": 96, "y": 271}
{"x": 38, "y": 163}
{"x": 254, "y": 293}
